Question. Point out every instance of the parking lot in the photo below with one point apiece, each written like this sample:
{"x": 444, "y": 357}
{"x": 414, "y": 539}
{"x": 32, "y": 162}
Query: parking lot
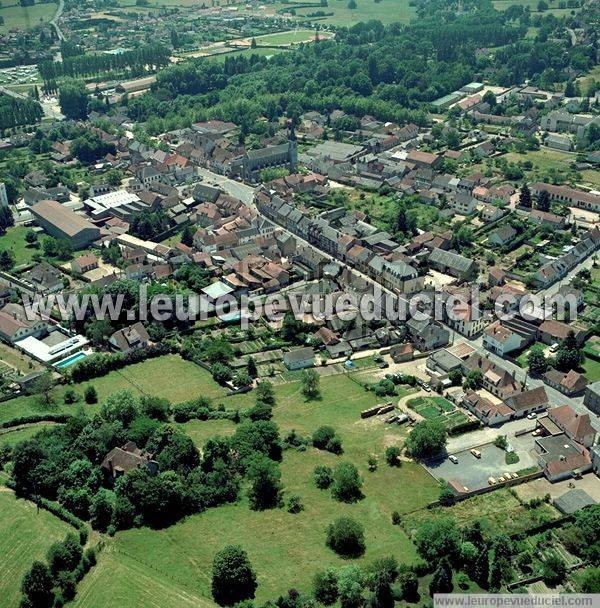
{"x": 474, "y": 472}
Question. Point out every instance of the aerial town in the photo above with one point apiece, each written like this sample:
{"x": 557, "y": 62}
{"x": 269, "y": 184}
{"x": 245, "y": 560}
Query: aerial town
{"x": 299, "y": 302}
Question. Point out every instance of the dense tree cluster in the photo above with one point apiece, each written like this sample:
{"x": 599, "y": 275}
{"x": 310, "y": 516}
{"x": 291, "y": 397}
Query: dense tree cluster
{"x": 152, "y": 56}
{"x": 63, "y": 463}
{"x": 16, "y": 112}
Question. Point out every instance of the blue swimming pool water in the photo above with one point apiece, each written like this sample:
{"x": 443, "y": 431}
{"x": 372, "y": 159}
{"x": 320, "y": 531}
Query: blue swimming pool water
{"x": 70, "y": 360}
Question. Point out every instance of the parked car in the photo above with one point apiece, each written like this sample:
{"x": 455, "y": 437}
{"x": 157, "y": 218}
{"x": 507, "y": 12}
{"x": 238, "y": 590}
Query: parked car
{"x": 476, "y": 453}
{"x": 554, "y": 347}
{"x": 492, "y": 481}
{"x": 453, "y": 458}
{"x": 532, "y": 416}
{"x": 427, "y": 387}
{"x": 384, "y": 365}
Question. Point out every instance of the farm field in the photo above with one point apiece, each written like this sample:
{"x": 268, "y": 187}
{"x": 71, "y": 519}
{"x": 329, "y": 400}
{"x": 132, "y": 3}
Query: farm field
{"x": 386, "y": 11}
{"x": 25, "y": 536}
{"x": 25, "y": 17}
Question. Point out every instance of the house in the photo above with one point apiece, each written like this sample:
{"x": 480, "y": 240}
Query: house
{"x": 401, "y": 352}
{"x": 576, "y": 426}
{"x": 15, "y": 324}
{"x": 490, "y": 213}
{"x": 495, "y": 379}
{"x": 559, "y": 142}
{"x": 427, "y": 334}
{"x": 423, "y": 159}
{"x": 488, "y": 412}
{"x": 127, "y": 458}
{"x": 45, "y": 278}
{"x": 453, "y": 264}
{"x": 571, "y": 383}
{"x": 84, "y": 263}
{"x": 592, "y": 397}
{"x": 130, "y": 338}
{"x": 299, "y": 358}
{"x": 545, "y": 218}
{"x": 555, "y": 331}
{"x": 560, "y": 457}
{"x": 528, "y": 402}
{"x": 501, "y": 340}
{"x": 502, "y": 236}
{"x": 569, "y": 196}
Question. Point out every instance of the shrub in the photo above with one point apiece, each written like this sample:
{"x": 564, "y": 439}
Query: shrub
{"x": 323, "y": 477}
{"x": 392, "y": 456}
{"x": 347, "y": 483}
{"x": 295, "y": 504}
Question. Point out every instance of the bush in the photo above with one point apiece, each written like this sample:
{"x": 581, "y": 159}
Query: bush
{"x": 295, "y": 504}
{"x": 322, "y": 436}
{"x": 323, "y": 477}
{"x": 90, "y": 395}
{"x": 346, "y": 537}
{"x": 396, "y": 518}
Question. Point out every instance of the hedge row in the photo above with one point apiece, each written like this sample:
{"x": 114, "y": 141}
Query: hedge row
{"x": 33, "y": 418}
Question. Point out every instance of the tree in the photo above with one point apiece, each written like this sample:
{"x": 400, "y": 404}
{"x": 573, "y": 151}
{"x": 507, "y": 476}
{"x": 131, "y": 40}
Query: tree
{"x": 121, "y": 406}
{"x": 569, "y": 355}
{"x": 7, "y": 260}
{"x": 590, "y": 581}
{"x": 351, "y": 583}
{"x": 36, "y": 586}
{"x": 101, "y": 510}
{"x": 233, "y": 579}
{"x": 543, "y": 202}
{"x": 311, "y": 384}
{"x": 352, "y": 4}
{"x": 347, "y": 483}
{"x": 90, "y": 395}
{"x": 441, "y": 581}
{"x": 43, "y": 386}
{"x": 265, "y": 483}
{"x": 392, "y": 455}
{"x": 322, "y": 436}
{"x": 73, "y": 99}
{"x": 265, "y": 393}
{"x": 427, "y": 438}
{"x": 6, "y": 219}
{"x": 525, "y": 196}
{"x": 437, "y": 538}
{"x": 473, "y": 380}
{"x": 325, "y": 587}
{"x": 346, "y": 537}
{"x": 251, "y": 367}
{"x": 536, "y": 361}
{"x": 554, "y": 571}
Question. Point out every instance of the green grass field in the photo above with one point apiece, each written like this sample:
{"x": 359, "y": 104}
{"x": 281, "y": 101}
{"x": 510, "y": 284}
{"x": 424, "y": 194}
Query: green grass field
{"x": 14, "y": 240}
{"x": 169, "y": 376}
{"x": 386, "y": 11}
{"x": 25, "y": 536}
{"x": 592, "y": 369}
{"x": 286, "y": 549}
{"x": 25, "y": 17}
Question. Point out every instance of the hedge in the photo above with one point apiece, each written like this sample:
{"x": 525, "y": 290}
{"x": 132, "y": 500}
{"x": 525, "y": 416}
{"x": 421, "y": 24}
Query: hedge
{"x": 33, "y": 418}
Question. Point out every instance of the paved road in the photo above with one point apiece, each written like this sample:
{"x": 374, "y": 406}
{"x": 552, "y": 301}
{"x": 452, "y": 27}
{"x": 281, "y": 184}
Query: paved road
{"x": 54, "y": 20}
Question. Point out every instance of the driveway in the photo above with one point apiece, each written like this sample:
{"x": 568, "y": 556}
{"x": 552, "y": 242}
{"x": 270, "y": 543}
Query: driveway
{"x": 474, "y": 472}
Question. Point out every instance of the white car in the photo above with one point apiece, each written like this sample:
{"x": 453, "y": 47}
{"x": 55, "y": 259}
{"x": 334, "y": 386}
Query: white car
{"x": 532, "y": 416}
{"x": 554, "y": 347}
{"x": 453, "y": 458}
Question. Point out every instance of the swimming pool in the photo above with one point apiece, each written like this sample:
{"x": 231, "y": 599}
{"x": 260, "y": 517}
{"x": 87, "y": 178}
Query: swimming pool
{"x": 70, "y": 360}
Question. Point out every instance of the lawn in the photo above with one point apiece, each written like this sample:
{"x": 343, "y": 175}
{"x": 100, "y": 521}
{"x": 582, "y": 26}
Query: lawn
{"x": 386, "y": 11}
{"x": 14, "y": 240}
{"x": 168, "y": 376}
{"x": 438, "y": 408}
{"x": 25, "y": 17}
{"x": 499, "y": 509}
{"x": 25, "y": 536}
{"x": 592, "y": 369}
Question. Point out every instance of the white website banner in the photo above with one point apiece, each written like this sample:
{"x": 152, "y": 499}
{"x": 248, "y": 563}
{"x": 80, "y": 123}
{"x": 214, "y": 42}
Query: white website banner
{"x": 520, "y": 600}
